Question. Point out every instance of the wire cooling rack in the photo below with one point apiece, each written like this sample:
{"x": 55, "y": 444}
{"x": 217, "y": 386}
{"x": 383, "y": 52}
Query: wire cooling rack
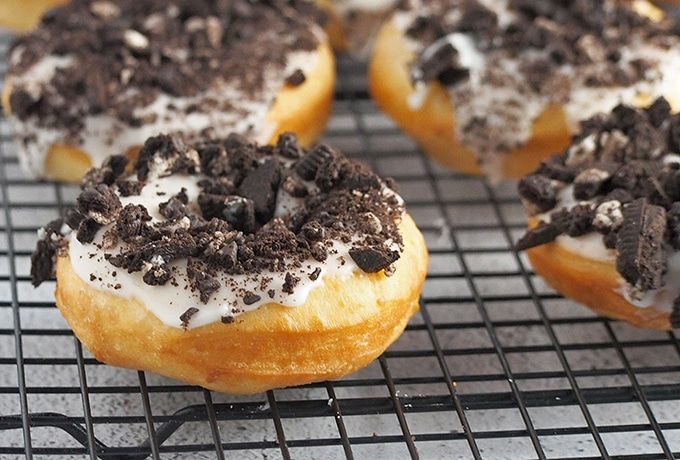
{"x": 495, "y": 365}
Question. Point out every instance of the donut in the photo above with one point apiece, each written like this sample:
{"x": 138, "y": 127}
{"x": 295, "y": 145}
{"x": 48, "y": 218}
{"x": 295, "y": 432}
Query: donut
{"x": 494, "y": 87}
{"x": 97, "y": 78}
{"x": 235, "y": 266}
{"x": 604, "y": 216}
{"x": 24, "y": 14}
{"x": 352, "y": 25}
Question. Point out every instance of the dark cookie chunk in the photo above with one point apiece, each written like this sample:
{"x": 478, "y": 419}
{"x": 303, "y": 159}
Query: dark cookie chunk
{"x": 163, "y": 147}
{"x": 543, "y": 233}
{"x": 261, "y": 186}
{"x": 175, "y": 207}
{"x": 589, "y": 182}
{"x": 112, "y": 168}
{"x": 224, "y": 255}
{"x": 294, "y": 187}
{"x": 673, "y": 222}
{"x": 73, "y": 218}
{"x": 296, "y": 78}
{"x": 290, "y": 282}
{"x": 187, "y": 315}
{"x": 557, "y": 170}
{"x": 373, "y": 259}
{"x": 674, "y": 134}
{"x": 21, "y": 103}
{"x": 576, "y": 221}
{"x": 130, "y": 187}
{"x": 132, "y": 223}
{"x": 240, "y": 213}
{"x": 87, "y": 230}
{"x": 619, "y": 194}
{"x": 658, "y": 112}
{"x": 201, "y": 280}
{"x": 440, "y": 62}
{"x": 100, "y": 203}
{"x": 640, "y": 254}
{"x": 539, "y": 192}
{"x": 249, "y": 298}
{"x": 44, "y": 256}
{"x": 157, "y": 275}
{"x": 310, "y": 163}
{"x": 314, "y": 275}
{"x": 288, "y": 147}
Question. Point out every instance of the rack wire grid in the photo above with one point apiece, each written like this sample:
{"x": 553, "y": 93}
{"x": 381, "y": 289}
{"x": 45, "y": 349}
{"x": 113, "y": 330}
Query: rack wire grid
{"x": 495, "y": 365}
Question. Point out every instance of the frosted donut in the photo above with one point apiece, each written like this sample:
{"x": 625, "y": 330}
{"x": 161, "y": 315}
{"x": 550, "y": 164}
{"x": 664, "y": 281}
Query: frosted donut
{"x": 604, "y": 225}
{"x": 233, "y": 266}
{"x": 495, "y": 87}
{"x": 98, "y": 78}
{"x": 353, "y": 24}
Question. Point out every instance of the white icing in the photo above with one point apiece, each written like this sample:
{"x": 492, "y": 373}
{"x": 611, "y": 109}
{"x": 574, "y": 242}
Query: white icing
{"x": 169, "y": 302}
{"x": 476, "y": 99}
{"x": 105, "y": 135}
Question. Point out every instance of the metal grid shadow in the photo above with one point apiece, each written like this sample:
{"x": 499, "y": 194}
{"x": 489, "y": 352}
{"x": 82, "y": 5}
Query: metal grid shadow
{"x": 495, "y": 365}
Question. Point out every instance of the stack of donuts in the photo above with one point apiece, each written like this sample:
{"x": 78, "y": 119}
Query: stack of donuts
{"x": 214, "y": 241}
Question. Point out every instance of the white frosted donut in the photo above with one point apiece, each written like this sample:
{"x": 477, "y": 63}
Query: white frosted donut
{"x": 98, "y": 78}
{"x": 604, "y": 223}
{"x": 496, "y": 86}
{"x": 235, "y": 266}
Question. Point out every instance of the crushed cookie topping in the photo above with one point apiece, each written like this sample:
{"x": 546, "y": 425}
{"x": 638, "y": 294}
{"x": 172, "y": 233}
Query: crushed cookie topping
{"x": 124, "y": 54}
{"x": 579, "y": 34}
{"x": 623, "y": 174}
{"x": 233, "y": 226}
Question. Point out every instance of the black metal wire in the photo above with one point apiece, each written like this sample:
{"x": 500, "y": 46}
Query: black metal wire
{"x": 348, "y": 398}
{"x": 550, "y": 331}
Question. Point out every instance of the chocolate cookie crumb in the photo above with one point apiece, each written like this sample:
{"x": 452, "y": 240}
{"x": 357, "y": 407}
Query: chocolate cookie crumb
{"x": 249, "y": 298}
{"x": 541, "y": 234}
{"x": 314, "y": 275}
{"x": 373, "y": 259}
{"x": 289, "y": 283}
{"x": 185, "y": 317}
{"x": 296, "y": 78}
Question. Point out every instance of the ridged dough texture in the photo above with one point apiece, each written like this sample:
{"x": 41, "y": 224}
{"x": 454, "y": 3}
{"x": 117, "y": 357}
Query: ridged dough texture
{"x": 594, "y": 283}
{"x": 433, "y": 125}
{"x": 343, "y": 325}
{"x": 304, "y": 110}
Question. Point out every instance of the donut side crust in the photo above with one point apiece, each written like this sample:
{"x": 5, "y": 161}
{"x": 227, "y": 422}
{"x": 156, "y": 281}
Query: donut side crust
{"x": 594, "y": 283}
{"x": 304, "y": 110}
{"x": 344, "y": 324}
